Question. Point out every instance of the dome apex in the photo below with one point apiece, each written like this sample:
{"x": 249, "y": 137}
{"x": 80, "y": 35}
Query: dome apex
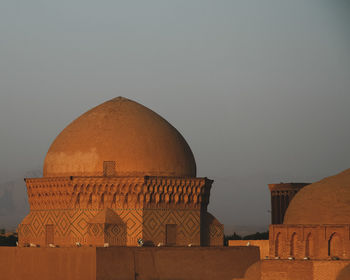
{"x": 323, "y": 202}
{"x": 123, "y": 138}
{"x": 120, "y": 98}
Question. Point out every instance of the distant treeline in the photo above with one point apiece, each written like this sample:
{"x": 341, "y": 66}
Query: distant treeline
{"x": 255, "y": 236}
{"x": 7, "y": 240}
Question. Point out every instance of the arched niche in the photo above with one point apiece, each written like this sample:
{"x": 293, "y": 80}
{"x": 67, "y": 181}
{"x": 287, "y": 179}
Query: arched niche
{"x": 335, "y": 245}
{"x": 309, "y": 246}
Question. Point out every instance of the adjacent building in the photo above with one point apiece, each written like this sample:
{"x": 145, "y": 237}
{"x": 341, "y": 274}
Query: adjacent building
{"x": 309, "y": 238}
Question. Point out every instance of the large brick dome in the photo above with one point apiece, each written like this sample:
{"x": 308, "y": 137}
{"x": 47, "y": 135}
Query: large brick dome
{"x": 324, "y": 202}
{"x": 123, "y": 135}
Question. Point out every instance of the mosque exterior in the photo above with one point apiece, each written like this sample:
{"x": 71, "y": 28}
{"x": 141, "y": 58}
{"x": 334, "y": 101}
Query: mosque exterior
{"x": 119, "y": 175}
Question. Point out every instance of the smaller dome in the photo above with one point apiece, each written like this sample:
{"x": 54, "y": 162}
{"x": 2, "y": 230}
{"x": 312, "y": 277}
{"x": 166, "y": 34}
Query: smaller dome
{"x": 344, "y": 274}
{"x": 323, "y": 202}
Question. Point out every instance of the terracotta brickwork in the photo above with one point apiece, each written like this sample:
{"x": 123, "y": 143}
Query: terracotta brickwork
{"x": 298, "y": 270}
{"x": 216, "y": 234}
{"x": 118, "y": 175}
{"x": 111, "y": 234}
{"x": 264, "y": 245}
{"x": 71, "y": 226}
{"x": 212, "y": 232}
{"x": 187, "y": 221}
{"x": 145, "y": 206}
{"x": 313, "y": 243}
{"x": 118, "y": 192}
{"x": 310, "y": 241}
{"x": 281, "y": 195}
{"x": 121, "y": 263}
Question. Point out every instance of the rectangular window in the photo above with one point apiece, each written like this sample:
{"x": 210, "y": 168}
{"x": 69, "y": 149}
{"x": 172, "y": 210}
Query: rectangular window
{"x": 109, "y": 168}
{"x": 171, "y": 234}
{"x": 49, "y": 234}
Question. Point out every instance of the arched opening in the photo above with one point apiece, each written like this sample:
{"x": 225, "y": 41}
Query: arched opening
{"x": 293, "y": 245}
{"x": 126, "y": 199}
{"x": 309, "y": 246}
{"x": 114, "y": 200}
{"x": 102, "y": 201}
{"x": 77, "y": 201}
{"x": 335, "y": 246}
{"x": 278, "y": 245}
{"x": 89, "y": 204}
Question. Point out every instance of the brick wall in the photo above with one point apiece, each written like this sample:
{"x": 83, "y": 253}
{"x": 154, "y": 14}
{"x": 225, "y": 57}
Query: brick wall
{"x": 114, "y": 263}
{"x": 262, "y": 244}
{"x": 312, "y": 241}
{"x": 298, "y": 270}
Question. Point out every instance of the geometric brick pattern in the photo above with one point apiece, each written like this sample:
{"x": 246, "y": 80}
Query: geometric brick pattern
{"x": 71, "y": 226}
{"x": 144, "y": 204}
{"x": 216, "y": 233}
{"x": 113, "y": 234}
{"x": 188, "y": 225}
{"x": 133, "y": 221}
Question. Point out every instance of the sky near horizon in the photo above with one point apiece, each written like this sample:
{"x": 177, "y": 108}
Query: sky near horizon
{"x": 259, "y": 89}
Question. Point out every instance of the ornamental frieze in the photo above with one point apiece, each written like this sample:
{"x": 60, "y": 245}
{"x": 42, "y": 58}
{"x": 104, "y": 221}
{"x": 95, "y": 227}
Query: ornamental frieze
{"x": 118, "y": 192}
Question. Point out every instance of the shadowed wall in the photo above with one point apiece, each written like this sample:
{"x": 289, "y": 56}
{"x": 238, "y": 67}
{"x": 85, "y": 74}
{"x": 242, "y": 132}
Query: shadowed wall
{"x": 116, "y": 263}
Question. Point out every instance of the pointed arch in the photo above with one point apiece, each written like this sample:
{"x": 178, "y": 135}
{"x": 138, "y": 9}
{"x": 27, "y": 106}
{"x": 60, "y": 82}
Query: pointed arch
{"x": 77, "y": 201}
{"x": 335, "y": 245}
{"x": 293, "y": 245}
{"x": 309, "y": 246}
{"x": 278, "y": 244}
{"x": 114, "y": 201}
{"x": 89, "y": 204}
{"x": 102, "y": 201}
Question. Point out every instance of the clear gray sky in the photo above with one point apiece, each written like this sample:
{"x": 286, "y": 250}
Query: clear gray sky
{"x": 259, "y": 89}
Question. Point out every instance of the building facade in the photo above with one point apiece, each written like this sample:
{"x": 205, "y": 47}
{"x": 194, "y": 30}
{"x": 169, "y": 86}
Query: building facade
{"x": 119, "y": 175}
{"x": 281, "y": 195}
{"x": 317, "y": 222}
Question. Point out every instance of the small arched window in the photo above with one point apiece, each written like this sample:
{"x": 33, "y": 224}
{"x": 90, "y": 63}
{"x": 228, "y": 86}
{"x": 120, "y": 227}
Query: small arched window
{"x": 293, "y": 245}
{"x": 335, "y": 246}
{"x": 278, "y": 245}
{"x": 309, "y": 246}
